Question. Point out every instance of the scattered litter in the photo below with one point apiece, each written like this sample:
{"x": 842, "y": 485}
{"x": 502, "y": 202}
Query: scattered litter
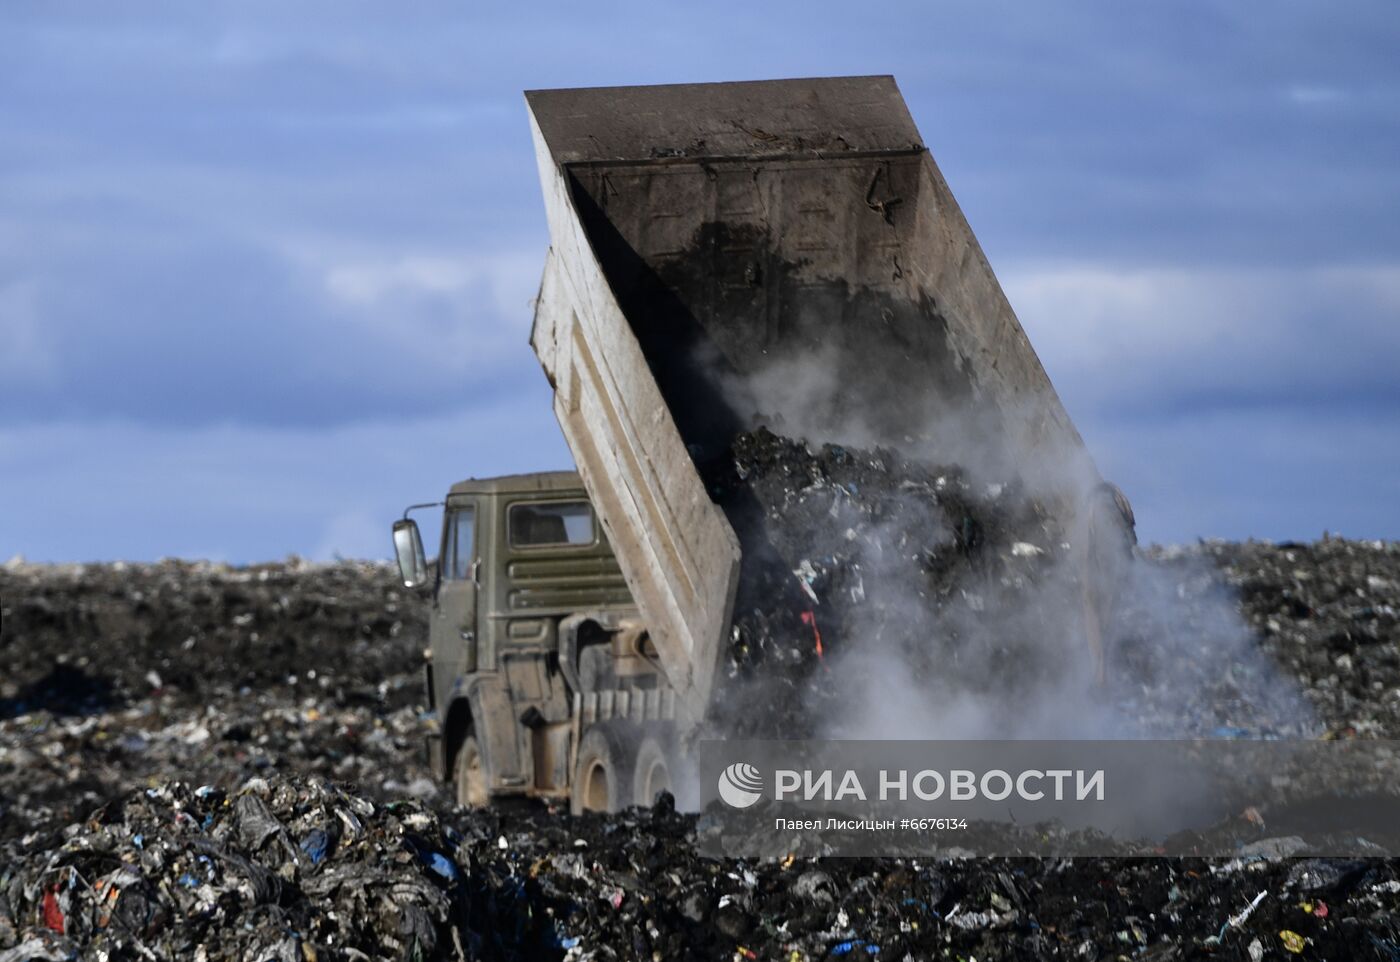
{"x": 233, "y": 887}
{"x": 1239, "y": 918}
{"x": 102, "y": 855}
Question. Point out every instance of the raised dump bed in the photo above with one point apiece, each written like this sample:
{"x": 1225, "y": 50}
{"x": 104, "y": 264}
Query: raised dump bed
{"x": 778, "y": 250}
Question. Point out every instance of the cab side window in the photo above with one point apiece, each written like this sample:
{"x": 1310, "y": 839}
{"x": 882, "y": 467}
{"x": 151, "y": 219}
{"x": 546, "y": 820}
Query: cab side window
{"x": 553, "y": 524}
{"x": 459, "y": 550}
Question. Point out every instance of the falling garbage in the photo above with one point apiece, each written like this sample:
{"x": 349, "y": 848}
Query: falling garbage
{"x": 859, "y": 558}
{"x": 849, "y": 550}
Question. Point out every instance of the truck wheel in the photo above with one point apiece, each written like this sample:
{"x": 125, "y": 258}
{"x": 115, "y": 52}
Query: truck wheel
{"x": 653, "y": 772}
{"x": 602, "y": 777}
{"x": 470, "y": 775}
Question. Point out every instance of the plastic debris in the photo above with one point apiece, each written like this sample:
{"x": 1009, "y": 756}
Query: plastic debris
{"x": 316, "y": 844}
{"x": 1292, "y": 941}
{"x": 54, "y": 916}
{"x": 922, "y": 561}
{"x": 1239, "y": 918}
{"x": 844, "y": 948}
{"x": 440, "y": 864}
{"x": 238, "y": 880}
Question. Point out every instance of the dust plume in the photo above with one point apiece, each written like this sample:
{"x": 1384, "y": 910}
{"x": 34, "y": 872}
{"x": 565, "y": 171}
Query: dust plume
{"x": 940, "y": 574}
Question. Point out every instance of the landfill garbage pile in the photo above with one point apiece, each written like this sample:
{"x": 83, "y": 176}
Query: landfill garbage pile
{"x": 85, "y": 636}
{"x": 1328, "y": 612}
{"x": 286, "y": 869}
{"x": 123, "y": 675}
{"x": 296, "y": 869}
{"x": 88, "y": 801}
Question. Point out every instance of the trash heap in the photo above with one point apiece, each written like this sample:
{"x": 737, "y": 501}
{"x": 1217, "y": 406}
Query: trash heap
{"x": 83, "y": 636}
{"x": 1328, "y": 613}
{"x": 137, "y": 818}
{"x": 120, "y": 675}
{"x": 296, "y": 869}
{"x": 292, "y": 869}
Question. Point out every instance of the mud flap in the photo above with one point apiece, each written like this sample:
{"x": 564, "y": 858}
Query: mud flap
{"x": 498, "y": 735}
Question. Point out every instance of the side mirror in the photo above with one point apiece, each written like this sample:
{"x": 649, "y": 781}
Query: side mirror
{"x": 408, "y": 550}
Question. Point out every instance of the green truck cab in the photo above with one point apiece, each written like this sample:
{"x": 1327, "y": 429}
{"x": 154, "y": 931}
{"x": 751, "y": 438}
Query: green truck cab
{"x": 540, "y": 675}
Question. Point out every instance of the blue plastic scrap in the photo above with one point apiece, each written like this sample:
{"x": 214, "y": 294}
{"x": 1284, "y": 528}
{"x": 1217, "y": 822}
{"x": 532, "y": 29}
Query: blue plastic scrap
{"x": 844, "y": 948}
{"x": 440, "y": 864}
{"x": 316, "y": 845}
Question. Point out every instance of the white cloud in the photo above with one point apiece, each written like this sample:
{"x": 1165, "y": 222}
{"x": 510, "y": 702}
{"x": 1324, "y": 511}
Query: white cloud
{"x": 371, "y": 282}
{"x": 1381, "y": 285}
{"x": 1313, "y": 95}
{"x": 463, "y": 312}
{"x": 1122, "y": 336}
{"x": 1229, "y": 402}
{"x": 367, "y": 285}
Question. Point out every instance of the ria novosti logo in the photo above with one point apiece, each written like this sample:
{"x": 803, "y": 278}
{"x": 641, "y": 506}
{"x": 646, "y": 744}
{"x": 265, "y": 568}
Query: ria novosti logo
{"x": 740, "y": 785}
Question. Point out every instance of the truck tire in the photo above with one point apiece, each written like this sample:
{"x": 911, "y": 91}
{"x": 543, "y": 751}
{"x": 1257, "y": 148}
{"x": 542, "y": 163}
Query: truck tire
{"x": 469, "y": 775}
{"x": 652, "y": 772}
{"x": 603, "y": 774}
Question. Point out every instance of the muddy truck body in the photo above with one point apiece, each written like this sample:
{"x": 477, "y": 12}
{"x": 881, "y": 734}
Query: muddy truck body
{"x": 721, "y": 254}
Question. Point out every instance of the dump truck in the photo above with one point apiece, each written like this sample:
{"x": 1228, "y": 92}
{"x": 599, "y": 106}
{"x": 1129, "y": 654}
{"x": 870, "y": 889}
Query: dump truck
{"x": 719, "y": 253}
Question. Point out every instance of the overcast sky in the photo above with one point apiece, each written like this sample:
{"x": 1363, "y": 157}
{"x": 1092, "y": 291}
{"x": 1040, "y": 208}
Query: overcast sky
{"x": 266, "y": 268}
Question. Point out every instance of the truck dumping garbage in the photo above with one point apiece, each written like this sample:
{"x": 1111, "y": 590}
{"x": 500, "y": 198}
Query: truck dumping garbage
{"x": 786, "y": 254}
{"x": 725, "y": 255}
{"x": 263, "y": 861}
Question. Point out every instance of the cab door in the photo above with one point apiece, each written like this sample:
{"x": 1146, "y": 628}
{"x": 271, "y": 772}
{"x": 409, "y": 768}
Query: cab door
{"x": 453, "y": 629}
